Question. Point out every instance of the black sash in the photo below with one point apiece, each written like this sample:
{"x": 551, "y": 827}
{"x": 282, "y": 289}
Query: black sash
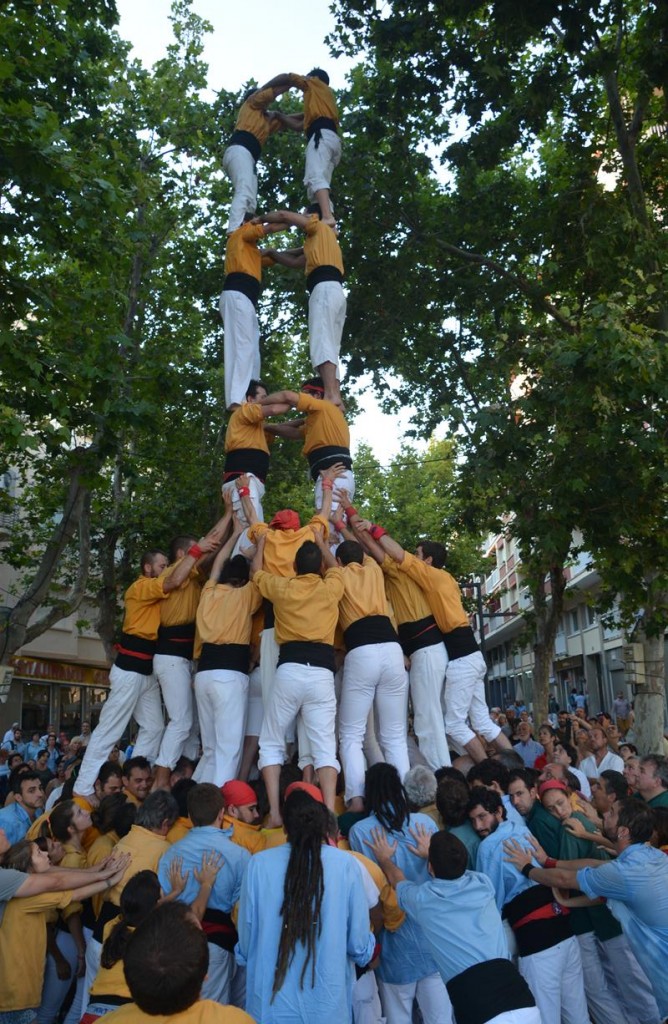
{"x": 246, "y": 460}
{"x": 316, "y": 127}
{"x": 371, "y": 629}
{"x": 306, "y": 652}
{"x": 248, "y": 141}
{"x": 413, "y": 636}
{"x": 486, "y": 990}
{"x": 235, "y": 657}
{"x": 135, "y": 654}
{"x": 178, "y": 641}
{"x": 459, "y": 642}
{"x": 324, "y": 273}
{"x": 326, "y": 456}
{"x": 244, "y": 283}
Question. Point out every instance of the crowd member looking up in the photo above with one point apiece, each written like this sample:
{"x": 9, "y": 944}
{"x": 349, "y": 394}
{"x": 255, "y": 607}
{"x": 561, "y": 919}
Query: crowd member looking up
{"x": 28, "y": 804}
{"x": 24, "y": 926}
{"x": 136, "y": 775}
{"x": 652, "y": 781}
{"x": 601, "y": 756}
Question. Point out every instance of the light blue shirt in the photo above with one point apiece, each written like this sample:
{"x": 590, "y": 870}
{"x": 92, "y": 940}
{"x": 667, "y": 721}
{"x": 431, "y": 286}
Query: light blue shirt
{"x": 345, "y": 938}
{"x": 508, "y": 882}
{"x": 529, "y": 751}
{"x": 32, "y": 750}
{"x": 459, "y": 920}
{"x": 636, "y": 889}
{"x": 405, "y": 957}
{"x": 208, "y": 839}
{"x": 15, "y": 821}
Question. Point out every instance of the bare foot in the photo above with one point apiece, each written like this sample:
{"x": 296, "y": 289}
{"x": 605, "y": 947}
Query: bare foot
{"x": 335, "y": 398}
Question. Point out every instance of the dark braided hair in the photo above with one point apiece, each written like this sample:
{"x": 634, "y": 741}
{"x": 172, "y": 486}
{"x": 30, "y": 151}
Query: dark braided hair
{"x": 138, "y": 899}
{"x": 305, "y": 822}
{"x": 385, "y": 796}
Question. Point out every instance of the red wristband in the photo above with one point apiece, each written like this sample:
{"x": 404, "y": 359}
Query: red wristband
{"x": 550, "y": 863}
{"x": 351, "y": 511}
{"x": 339, "y": 525}
{"x": 327, "y": 484}
{"x": 195, "y": 551}
{"x": 377, "y": 531}
{"x": 243, "y": 492}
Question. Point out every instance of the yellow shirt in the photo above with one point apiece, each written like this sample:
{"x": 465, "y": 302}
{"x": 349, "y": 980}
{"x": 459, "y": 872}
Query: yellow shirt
{"x": 205, "y": 1011}
{"x": 179, "y": 830}
{"x": 242, "y": 255}
{"x": 101, "y": 848}
{"x": 406, "y": 597}
{"x": 225, "y": 614}
{"x": 440, "y": 589}
{"x": 363, "y": 593}
{"x": 319, "y": 100}
{"x": 246, "y": 429}
{"x": 142, "y": 608}
{"x": 73, "y": 859}
{"x": 180, "y": 608}
{"x": 253, "y": 118}
{"x": 243, "y": 834}
{"x": 23, "y": 948}
{"x": 145, "y": 848}
{"x": 306, "y": 607}
{"x": 325, "y": 424}
{"x": 110, "y": 981}
{"x": 273, "y": 837}
{"x": 281, "y": 546}
{"x": 393, "y": 917}
{"x": 321, "y": 246}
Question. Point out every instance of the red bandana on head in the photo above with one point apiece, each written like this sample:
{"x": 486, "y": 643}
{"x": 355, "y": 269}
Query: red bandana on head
{"x": 286, "y": 519}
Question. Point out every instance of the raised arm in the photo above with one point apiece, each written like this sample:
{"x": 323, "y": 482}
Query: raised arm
{"x": 228, "y": 546}
{"x": 280, "y": 84}
{"x": 246, "y": 501}
{"x": 61, "y": 879}
{"x": 288, "y": 398}
{"x": 209, "y": 542}
{"x": 290, "y": 122}
{"x": 292, "y": 258}
{"x": 328, "y": 477}
{"x": 296, "y": 220}
{"x": 327, "y": 556}
{"x": 286, "y": 430}
{"x": 256, "y": 564}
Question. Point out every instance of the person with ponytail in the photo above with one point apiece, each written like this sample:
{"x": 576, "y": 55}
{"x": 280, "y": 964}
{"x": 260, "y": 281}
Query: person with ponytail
{"x": 303, "y": 922}
{"x": 407, "y": 970}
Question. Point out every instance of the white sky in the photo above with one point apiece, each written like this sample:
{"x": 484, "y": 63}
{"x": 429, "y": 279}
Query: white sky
{"x": 259, "y": 39}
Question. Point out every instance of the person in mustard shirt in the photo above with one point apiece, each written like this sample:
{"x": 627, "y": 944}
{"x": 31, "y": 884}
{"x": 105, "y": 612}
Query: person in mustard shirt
{"x": 422, "y": 642}
{"x": 322, "y": 262}
{"x": 224, "y": 620}
{"x": 255, "y": 123}
{"x": 165, "y": 964}
{"x": 320, "y": 123}
{"x": 134, "y": 691}
{"x": 326, "y": 438}
{"x": 306, "y": 609}
{"x": 247, "y": 442}
{"x": 238, "y": 306}
{"x": 173, "y": 661}
{"x": 465, "y": 675}
{"x": 373, "y": 671}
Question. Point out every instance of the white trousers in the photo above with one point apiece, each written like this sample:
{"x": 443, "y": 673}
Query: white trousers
{"x": 427, "y": 684}
{"x": 255, "y": 710}
{"x": 555, "y": 978}
{"x": 174, "y": 677}
{"x": 346, "y": 481}
{"x": 465, "y": 697}
{"x": 239, "y": 166}
{"x": 603, "y": 1005}
{"x": 93, "y": 957}
{"x": 326, "y": 317}
{"x": 241, "y": 351}
{"x": 308, "y": 690}
{"x": 218, "y": 978}
{"x": 628, "y": 980}
{"x": 320, "y": 162}
{"x": 432, "y": 998}
{"x": 256, "y": 488}
{"x": 373, "y": 672}
{"x": 366, "y": 1001}
{"x": 54, "y": 990}
{"x": 130, "y": 694}
{"x": 222, "y": 696}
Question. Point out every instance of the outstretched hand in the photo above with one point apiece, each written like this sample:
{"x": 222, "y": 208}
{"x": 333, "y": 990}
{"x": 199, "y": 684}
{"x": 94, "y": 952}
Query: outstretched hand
{"x": 422, "y": 838}
{"x": 379, "y": 845}
{"x": 517, "y": 854}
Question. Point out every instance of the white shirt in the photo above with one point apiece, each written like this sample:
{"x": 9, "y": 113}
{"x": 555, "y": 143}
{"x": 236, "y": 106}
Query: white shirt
{"x": 611, "y": 762}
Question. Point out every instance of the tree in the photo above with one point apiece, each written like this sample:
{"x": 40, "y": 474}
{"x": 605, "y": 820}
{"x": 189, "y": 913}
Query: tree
{"x": 541, "y": 278}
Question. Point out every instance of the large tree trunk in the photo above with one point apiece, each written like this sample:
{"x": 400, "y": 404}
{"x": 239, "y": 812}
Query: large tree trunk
{"x": 650, "y": 698}
{"x": 547, "y": 609}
